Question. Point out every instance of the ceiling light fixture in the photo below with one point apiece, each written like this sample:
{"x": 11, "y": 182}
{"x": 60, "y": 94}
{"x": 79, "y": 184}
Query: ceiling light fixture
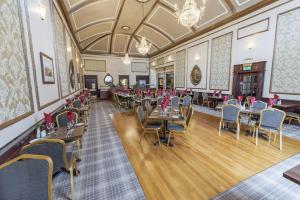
{"x": 126, "y": 59}
{"x": 42, "y": 10}
{"x": 125, "y": 28}
{"x": 189, "y": 14}
{"x": 143, "y": 47}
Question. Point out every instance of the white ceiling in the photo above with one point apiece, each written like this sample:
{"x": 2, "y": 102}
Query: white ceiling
{"x": 97, "y": 24}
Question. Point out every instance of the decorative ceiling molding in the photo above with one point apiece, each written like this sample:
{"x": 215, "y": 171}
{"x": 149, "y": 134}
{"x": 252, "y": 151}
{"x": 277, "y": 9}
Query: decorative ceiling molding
{"x": 115, "y": 24}
{"x": 141, "y": 23}
{"x": 95, "y": 41}
{"x": 241, "y": 3}
{"x": 93, "y": 23}
{"x": 81, "y": 4}
{"x": 114, "y": 42}
{"x": 231, "y": 6}
{"x": 159, "y": 31}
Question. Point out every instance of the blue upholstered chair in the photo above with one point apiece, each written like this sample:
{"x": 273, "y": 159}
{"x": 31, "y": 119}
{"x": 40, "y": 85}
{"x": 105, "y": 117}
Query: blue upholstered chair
{"x": 144, "y": 101}
{"x": 205, "y": 99}
{"x": 26, "y": 177}
{"x": 271, "y": 120}
{"x": 146, "y": 125}
{"x": 148, "y": 107}
{"x": 230, "y": 115}
{"x": 259, "y": 105}
{"x": 232, "y": 102}
{"x": 56, "y": 150}
{"x": 62, "y": 119}
{"x": 159, "y": 100}
{"x": 186, "y": 101}
{"x": 196, "y": 98}
{"x": 175, "y": 101}
{"x": 180, "y": 128}
{"x": 76, "y": 103}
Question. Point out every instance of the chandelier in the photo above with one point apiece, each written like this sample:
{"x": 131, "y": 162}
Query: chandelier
{"x": 190, "y": 14}
{"x": 143, "y": 47}
{"x": 126, "y": 59}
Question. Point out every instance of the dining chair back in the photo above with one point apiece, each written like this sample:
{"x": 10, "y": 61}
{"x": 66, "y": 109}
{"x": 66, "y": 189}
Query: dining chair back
{"x": 148, "y": 108}
{"x": 76, "y": 103}
{"x": 175, "y": 101}
{"x": 232, "y": 102}
{"x": 26, "y": 177}
{"x": 272, "y": 118}
{"x": 186, "y": 101}
{"x": 62, "y": 119}
{"x": 159, "y": 100}
{"x": 189, "y": 115}
{"x": 144, "y": 101}
{"x": 196, "y": 97}
{"x": 141, "y": 115}
{"x": 230, "y": 114}
{"x": 259, "y": 105}
{"x": 204, "y": 96}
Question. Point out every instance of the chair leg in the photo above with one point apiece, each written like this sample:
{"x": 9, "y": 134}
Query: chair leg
{"x": 143, "y": 135}
{"x": 270, "y": 134}
{"x": 275, "y": 137}
{"x": 238, "y": 131}
{"x": 78, "y": 147}
{"x": 290, "y": 120}
{"x": 256, "y": 139}
{"x": 72, "y": 183}
{"x": 169, "y": 139}
{"x": 220, "y": 127}
{"x": 280, "y": 139}
{"x": 158, "y": 137}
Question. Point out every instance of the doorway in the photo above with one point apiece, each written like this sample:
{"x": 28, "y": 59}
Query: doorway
{"x": 142, "y": 81}
{"x": 124, "y": 81}
{"x": 91, "y": 83}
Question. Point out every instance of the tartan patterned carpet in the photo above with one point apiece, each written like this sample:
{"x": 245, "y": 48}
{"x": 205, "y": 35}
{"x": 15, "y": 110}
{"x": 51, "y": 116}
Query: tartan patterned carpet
{"x": 292, "y": 131}
{"x": 266, "y": 185}
{"x": 105, "y": 171}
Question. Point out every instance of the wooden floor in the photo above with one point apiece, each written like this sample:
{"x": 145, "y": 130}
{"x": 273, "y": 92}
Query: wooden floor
{"x": 201, "y": 166}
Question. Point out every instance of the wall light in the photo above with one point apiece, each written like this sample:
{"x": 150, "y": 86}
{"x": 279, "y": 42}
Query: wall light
{"x": 250, "y": 45}
{"x": 42, "y": 10}
{"x": 69, "y": 49}
{"x": 197, "y": 57}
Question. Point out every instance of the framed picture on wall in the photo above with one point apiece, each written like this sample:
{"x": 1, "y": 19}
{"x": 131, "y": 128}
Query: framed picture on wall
{"x": 47, "y": 69}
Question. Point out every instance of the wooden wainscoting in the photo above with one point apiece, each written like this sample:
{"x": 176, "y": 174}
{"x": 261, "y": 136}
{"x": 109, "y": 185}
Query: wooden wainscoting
{"x": 201, "y": 166}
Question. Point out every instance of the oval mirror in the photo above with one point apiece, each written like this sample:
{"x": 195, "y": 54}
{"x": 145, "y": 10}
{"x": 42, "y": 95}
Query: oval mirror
{"x": 108, "y": 80}
{"x": 196, "y": 75}
{"x": 72, "y": 74}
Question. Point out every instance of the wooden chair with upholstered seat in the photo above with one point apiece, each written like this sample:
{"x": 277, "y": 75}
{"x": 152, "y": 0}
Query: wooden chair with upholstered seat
{"x": 26, "y": 177}
{"x": 205, "y": 99}
{"x": 56, "y": 150}
{"x": 230, "y": 115}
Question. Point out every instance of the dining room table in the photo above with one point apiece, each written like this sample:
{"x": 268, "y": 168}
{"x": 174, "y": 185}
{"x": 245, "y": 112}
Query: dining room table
{"x": 67, "y": 134}
{"x": 216, "y": 99}
{"x": 169, "y": 115}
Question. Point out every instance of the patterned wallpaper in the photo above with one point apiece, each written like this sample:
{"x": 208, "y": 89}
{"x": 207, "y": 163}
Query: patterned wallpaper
{"x": 15, "y": 95}
{"x": 220, "y": 62}
{"x": 61, "y": 54}
{"x": 180, "y": 69}
{"x": 286, "y": 63}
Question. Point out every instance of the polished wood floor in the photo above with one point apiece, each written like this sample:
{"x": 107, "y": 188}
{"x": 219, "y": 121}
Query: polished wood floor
{"x": 201, "y": 166}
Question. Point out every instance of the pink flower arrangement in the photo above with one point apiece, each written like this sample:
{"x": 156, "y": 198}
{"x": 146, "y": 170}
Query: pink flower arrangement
{"x": 69, "y": 102}
{"x": 48, "y": 120}
{"x": 240, "y": 99}
{"x": 225, "y": 98}
{"x": 71, "y": 117}
{"x": 165, "y": 102}
{"x": 272, "y": 102}
{"x": 252, "y": 100}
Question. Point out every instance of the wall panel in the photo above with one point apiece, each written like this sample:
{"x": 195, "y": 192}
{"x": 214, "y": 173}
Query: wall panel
{"x": 180, "y": 68}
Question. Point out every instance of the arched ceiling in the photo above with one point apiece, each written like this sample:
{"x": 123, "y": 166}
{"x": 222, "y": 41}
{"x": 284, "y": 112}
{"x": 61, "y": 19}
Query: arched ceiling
{"x": 97, "y": 24}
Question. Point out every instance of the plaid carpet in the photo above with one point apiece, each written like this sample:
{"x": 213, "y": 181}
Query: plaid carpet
{"x": 292, "y": 131}
{"x": 105, "y": 171}
{"x": 266, "y": 185}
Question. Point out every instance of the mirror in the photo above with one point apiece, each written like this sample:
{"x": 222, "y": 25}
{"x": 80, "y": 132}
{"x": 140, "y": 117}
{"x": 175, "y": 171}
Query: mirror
{"x": 72, "y": 74}
{"x": 108, "y": 80}
{"x": 196, "y": 75}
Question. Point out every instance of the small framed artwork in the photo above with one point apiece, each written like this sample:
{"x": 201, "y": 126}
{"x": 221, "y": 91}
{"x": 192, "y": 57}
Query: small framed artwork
{"x": 47, "y": 69}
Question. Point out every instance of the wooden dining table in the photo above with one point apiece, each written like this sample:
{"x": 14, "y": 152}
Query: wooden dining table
{"x": 171, "y": 114}
{"x": 67, "y": 135}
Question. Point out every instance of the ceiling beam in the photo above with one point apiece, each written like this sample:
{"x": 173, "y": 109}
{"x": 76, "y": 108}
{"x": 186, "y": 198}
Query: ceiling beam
{"x": 115, "y": 25}
{"x": 140, "y": 24}
{"x": 231, "y": 6}
{"x": 217, "y": 25}
{"x": 93, "y": 23}
{"x": 161, "y": 32}
{"x": 96, "y": 40}
{"x": 80, "y": 5}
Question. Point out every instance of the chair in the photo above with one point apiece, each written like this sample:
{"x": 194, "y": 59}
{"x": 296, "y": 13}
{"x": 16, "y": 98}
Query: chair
{"x": 180, "y": 128}
{"x": 62, "y": 119}
{"x": 196, "y": 98}
{"x": 259, "y": 105}
{"x": 76, "y": 103}
{"x": 26, "y": 177}
{"x": 148, "y": 108}
{"x": 186, "y": 101}
{"x": 232, "y": 102}
{"x": 147, "y": 126}
{"x": 272, "y": 121}
{"x": 159, "y": 100}
{"x": 230, "y": 115}
{"x": 292, "y": 116}
{"x": 56, "y": 150}
{"x": 205, "y": 99}
{"x": 143, "y": 103}
{"x": 121, "y": 102}
{"x": 175, "y": 101}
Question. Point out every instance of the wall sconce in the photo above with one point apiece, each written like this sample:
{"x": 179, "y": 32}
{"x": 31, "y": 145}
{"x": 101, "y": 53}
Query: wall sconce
{"x": 250, "y": 45}
{"x": 42, "y": 10}
{"x": 153, "y": 63}
{"x": 77, "y": 60}
{"x": 197, "y": 57}
{"x": 69, "y": 49}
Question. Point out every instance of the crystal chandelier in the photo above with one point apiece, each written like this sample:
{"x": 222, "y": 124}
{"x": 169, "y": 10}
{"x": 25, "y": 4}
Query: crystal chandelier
{"x": 126, "y": 59}
{"x": 190, "y": 14}
{"x": 143, "y": 47}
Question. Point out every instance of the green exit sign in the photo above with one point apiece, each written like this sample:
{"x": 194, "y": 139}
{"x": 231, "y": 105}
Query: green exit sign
{"x": 247, "y": 68}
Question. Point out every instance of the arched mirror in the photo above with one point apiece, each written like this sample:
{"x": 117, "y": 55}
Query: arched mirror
{"x": 108, "y": 80}
{"x": 196, "y": 75}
